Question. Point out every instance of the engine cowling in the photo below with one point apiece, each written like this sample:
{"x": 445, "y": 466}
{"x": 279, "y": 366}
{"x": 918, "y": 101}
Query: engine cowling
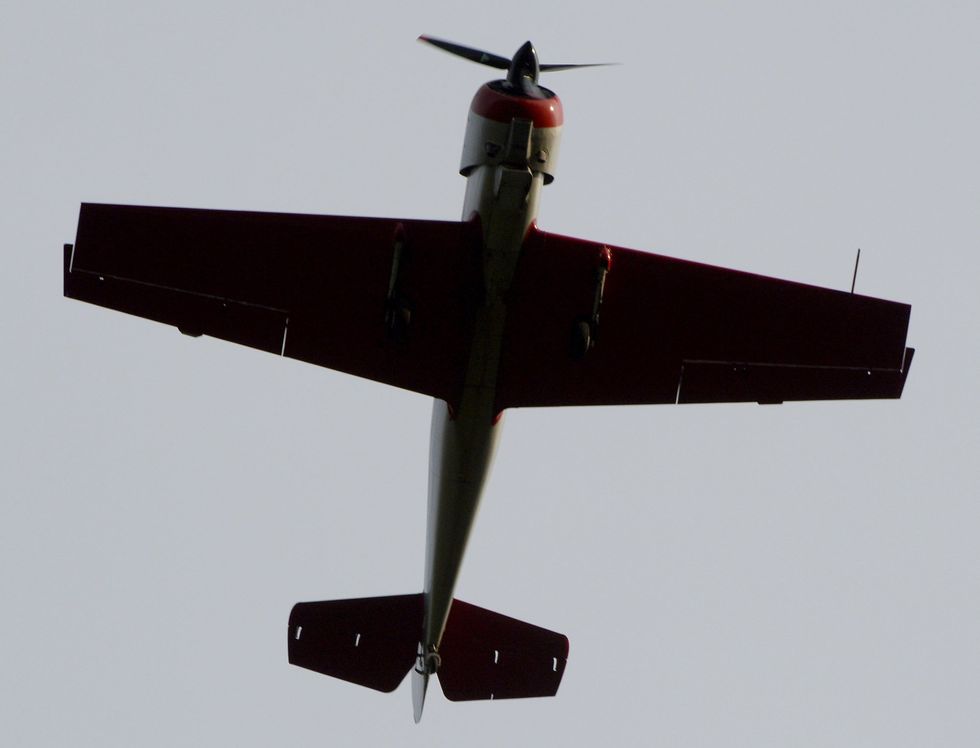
{"x": 488, "y": 127}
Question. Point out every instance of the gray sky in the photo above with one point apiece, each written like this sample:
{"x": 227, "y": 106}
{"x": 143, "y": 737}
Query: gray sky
{"x": 801, "y": 575}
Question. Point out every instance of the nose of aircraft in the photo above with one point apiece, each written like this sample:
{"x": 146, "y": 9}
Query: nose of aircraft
{"x": 524, "y": 65}
{"x": 522, "y": 69}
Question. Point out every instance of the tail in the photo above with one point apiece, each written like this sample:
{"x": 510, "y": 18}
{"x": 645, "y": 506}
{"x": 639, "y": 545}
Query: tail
{"x": 375, "y": 641}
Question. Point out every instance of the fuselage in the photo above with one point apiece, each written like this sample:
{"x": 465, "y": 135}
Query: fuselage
{"x": 509, "y": 153}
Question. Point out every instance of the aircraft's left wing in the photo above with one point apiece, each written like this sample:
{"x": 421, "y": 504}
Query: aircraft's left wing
{"x": 332, "y": 290}
{"x": 672, "y": 331}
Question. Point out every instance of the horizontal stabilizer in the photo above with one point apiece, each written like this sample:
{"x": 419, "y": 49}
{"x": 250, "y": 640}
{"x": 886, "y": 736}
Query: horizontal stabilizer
{"x": 370, "y": 641}
{"x": 373, "y": 642}
{"x": 486, "y": 655}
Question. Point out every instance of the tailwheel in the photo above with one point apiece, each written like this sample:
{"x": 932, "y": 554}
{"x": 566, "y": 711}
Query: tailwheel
{"x": 426, "y": 664}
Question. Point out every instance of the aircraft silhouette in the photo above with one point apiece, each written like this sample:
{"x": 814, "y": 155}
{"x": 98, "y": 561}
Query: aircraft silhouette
{"x": 484, "y": 314}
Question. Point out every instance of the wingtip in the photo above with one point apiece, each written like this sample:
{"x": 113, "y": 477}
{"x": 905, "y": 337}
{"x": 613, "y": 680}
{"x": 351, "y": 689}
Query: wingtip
{"x": 906, "y": 366}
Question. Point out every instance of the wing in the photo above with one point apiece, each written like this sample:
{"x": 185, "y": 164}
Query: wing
{"x": 671, "y": 331}
{"x": 381, "y": 298}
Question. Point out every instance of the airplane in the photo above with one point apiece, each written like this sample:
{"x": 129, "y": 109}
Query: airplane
{"x": 484, "y": 314}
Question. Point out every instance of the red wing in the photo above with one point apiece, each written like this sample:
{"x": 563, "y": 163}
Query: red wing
{"x": 675, "y": 331}
{"x": 310, "y": 287}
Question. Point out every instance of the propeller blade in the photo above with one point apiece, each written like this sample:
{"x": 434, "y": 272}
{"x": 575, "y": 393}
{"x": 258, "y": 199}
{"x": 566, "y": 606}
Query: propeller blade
{"x": 554, "y": 68}
{"x": 476, "y": 55}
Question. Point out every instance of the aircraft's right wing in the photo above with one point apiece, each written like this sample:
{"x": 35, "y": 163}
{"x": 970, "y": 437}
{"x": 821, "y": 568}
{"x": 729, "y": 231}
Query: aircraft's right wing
{"x": 329, "y": 290}
{"x": 672, "y": 331}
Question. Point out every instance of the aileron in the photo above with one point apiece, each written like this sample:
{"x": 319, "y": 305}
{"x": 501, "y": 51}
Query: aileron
{"x": 717, "y": 381}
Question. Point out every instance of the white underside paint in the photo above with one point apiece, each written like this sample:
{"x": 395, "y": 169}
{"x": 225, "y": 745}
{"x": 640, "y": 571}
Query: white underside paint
{"x": 462, "y": 444}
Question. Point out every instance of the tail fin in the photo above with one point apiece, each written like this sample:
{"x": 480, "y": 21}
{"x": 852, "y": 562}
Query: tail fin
{"x": 374, "y": 642}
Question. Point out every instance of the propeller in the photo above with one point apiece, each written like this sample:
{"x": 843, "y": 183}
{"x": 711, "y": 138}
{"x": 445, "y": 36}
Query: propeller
{"x": 522, "y": 69}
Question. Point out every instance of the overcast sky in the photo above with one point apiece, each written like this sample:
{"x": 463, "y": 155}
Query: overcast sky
{"x": 728, "y": 575}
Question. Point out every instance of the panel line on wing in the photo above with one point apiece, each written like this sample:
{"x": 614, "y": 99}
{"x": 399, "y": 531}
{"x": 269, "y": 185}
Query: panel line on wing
{"x": 223, "y": 299}
{"x": 789, "y": 366}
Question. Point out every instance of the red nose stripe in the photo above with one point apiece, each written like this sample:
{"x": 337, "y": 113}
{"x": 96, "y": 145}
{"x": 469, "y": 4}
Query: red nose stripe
{"x": 503, "y": 108}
